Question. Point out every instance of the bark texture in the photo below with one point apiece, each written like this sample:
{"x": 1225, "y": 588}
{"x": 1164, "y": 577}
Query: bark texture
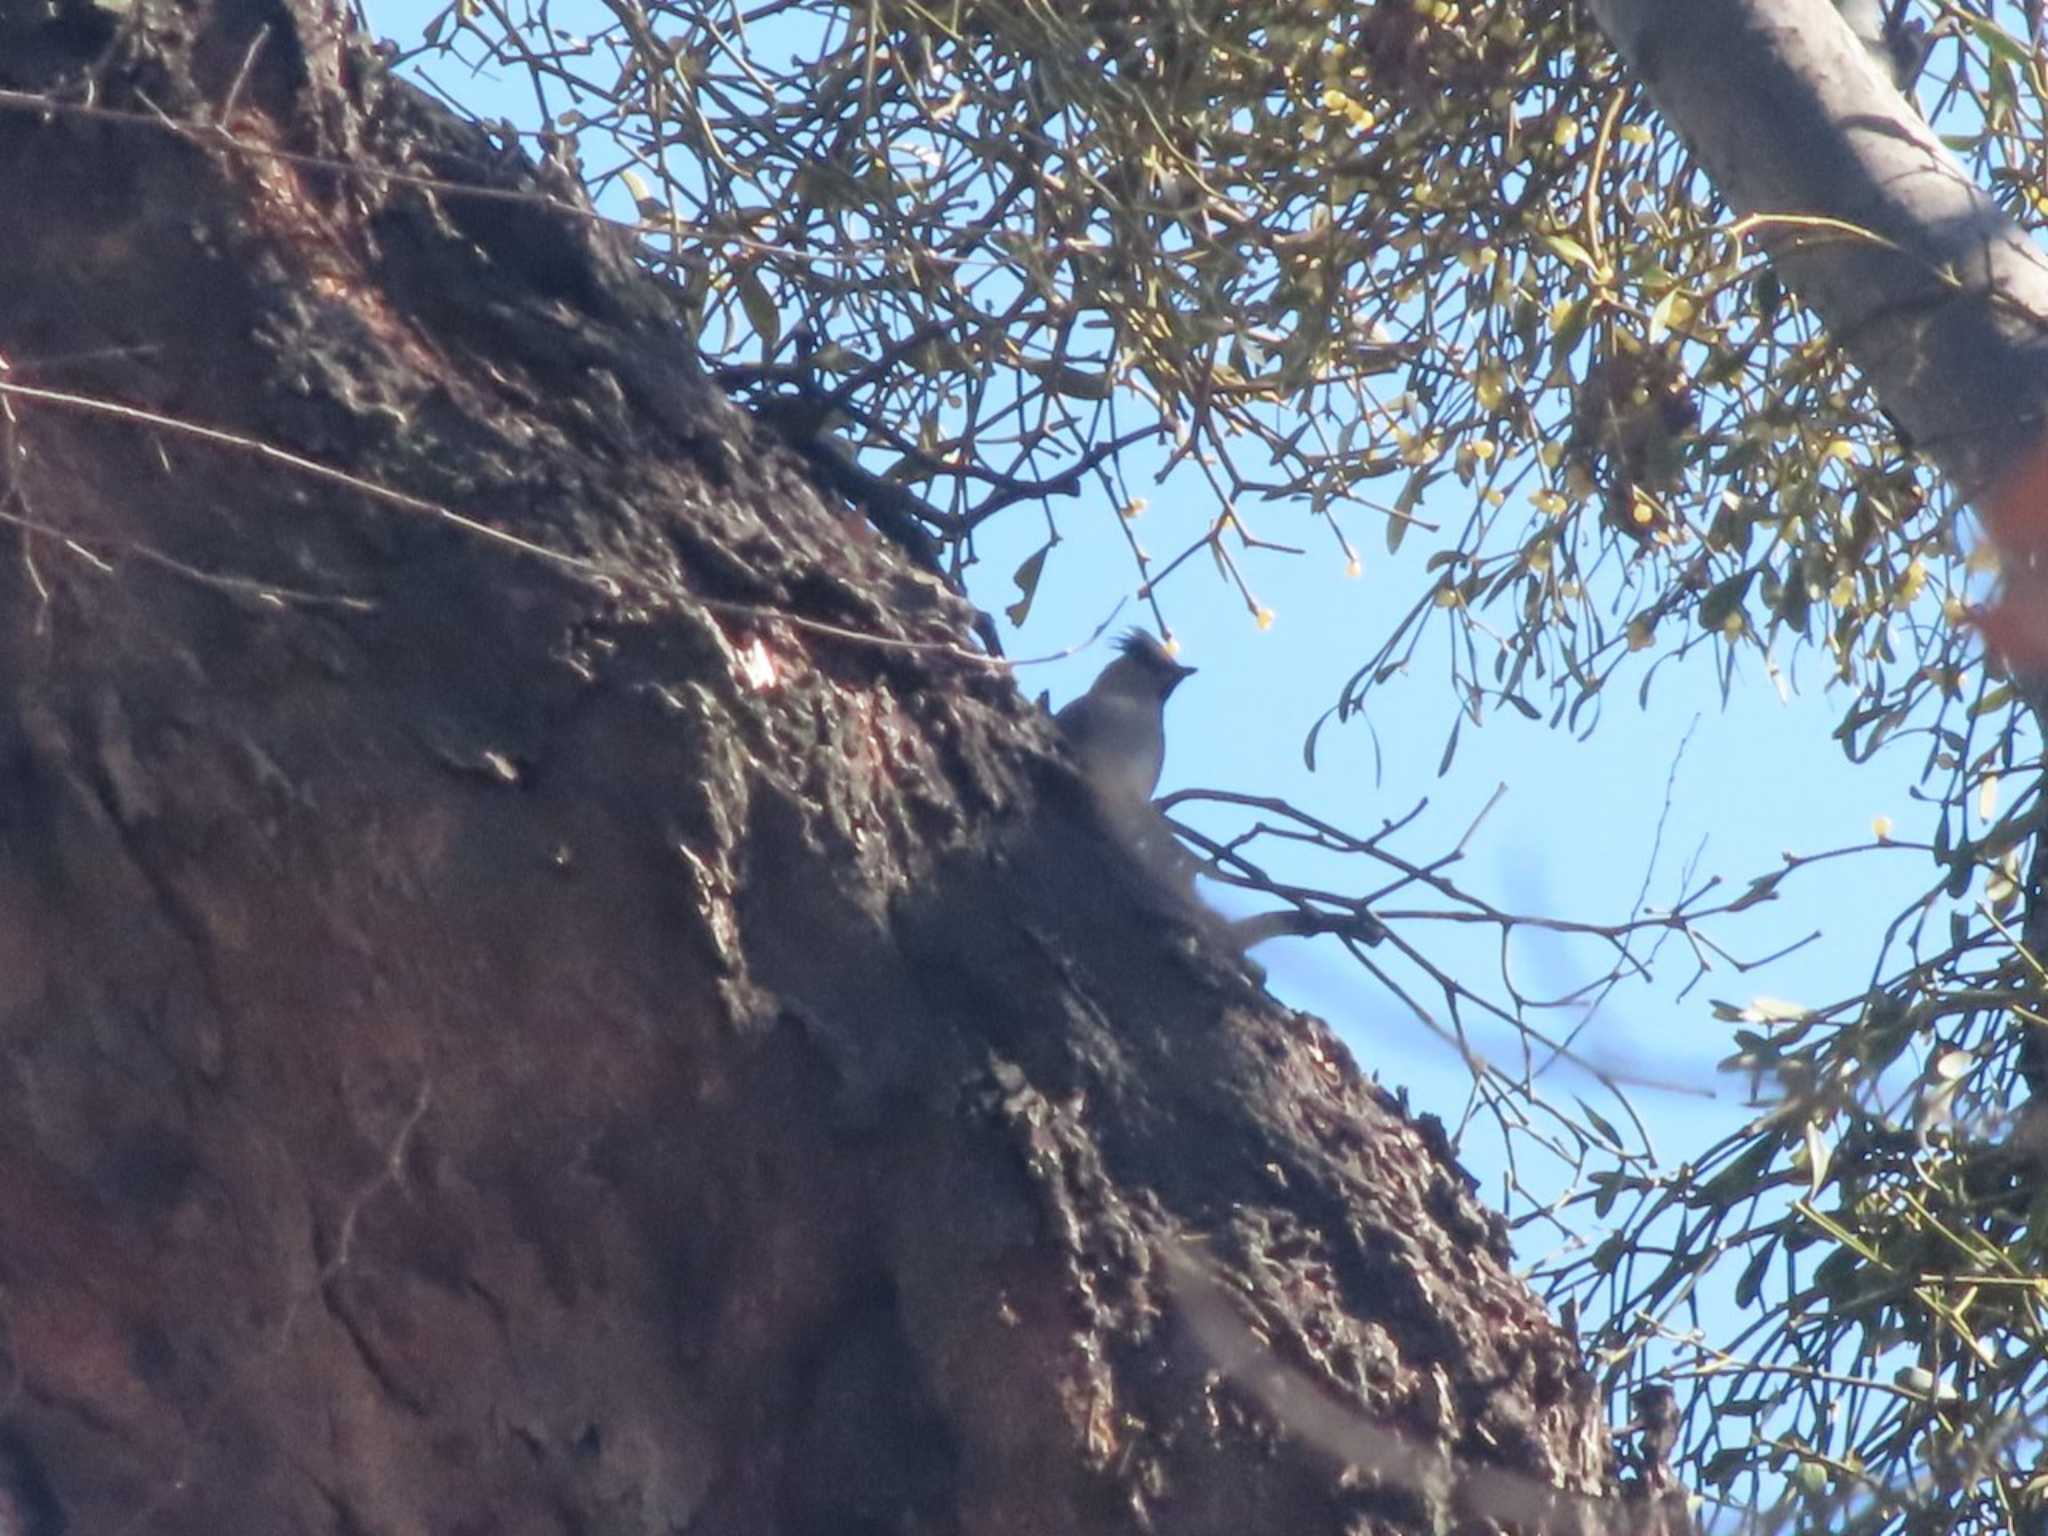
{"x": 542, "y": 988}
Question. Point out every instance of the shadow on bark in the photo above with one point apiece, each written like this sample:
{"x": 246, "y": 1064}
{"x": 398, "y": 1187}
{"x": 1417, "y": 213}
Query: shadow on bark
{"x": 543, "y": 987}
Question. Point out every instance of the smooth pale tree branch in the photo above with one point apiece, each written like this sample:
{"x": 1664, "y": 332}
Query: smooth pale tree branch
{"x": 1940, "y": 299}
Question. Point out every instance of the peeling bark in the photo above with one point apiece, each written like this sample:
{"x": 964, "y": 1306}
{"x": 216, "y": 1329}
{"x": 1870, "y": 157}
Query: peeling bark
{"x": 542, "y": 985}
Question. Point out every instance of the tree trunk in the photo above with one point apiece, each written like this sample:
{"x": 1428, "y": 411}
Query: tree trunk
{"x": 542, "y": 986}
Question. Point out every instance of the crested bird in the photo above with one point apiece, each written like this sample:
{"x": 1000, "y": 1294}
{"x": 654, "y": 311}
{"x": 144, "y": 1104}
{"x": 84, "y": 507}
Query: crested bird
{"x": 1117, "y": 729}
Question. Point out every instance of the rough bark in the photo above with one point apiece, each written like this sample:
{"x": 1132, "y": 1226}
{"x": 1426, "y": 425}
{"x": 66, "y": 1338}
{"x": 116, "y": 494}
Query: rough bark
{"x": 1941, "y": 300}
{"x": 542, "y": 986}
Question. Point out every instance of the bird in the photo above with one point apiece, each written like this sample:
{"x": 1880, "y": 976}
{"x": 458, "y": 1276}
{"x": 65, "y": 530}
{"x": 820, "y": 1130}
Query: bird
{"x": 1117, "y": 729}
{"x": 1116, "y": 732}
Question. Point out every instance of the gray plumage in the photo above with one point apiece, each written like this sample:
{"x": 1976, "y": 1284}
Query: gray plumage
{"x": 1117, "y": 729}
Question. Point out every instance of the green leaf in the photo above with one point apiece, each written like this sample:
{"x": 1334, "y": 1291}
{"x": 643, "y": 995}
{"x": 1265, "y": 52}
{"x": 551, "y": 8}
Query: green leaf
{"x": 1995, "y": 699}
{"x": 1725, "y": 599}
{"x": 1746, "y": 1407}
{"x": 1308, "y": 746}
{"x": 1743, "y": 1176}
{"x": 1762, "y": 888}
{"x": 1404, "y": 505}
{"x": 2003, "y": 44}
{"x": 1660, "y": 317}
{"x": 1818, "y": 1156}
{"x": 1767, "y": 293}
{"x": 1722, "y": 1468}
{"x": 762, "y": 314}
{"x": 1569, "y": 249}
{"x": 1837, "y": 1275}
{"x": 834, "y": 358}
{"x": 1599, "y": 1124}
{"x": 1606, "y": 1186}
{"x": 1026, "y": 576}
{"x": 1751, "y": 1282}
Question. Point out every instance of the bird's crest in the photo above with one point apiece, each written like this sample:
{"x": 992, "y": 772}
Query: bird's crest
{"x": 1143, "y": 646}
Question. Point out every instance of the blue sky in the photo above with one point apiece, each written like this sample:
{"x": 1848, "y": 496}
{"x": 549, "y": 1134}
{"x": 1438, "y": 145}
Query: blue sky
{"x": 1572, "y": 825}
{"x": 1571, "y": 835}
